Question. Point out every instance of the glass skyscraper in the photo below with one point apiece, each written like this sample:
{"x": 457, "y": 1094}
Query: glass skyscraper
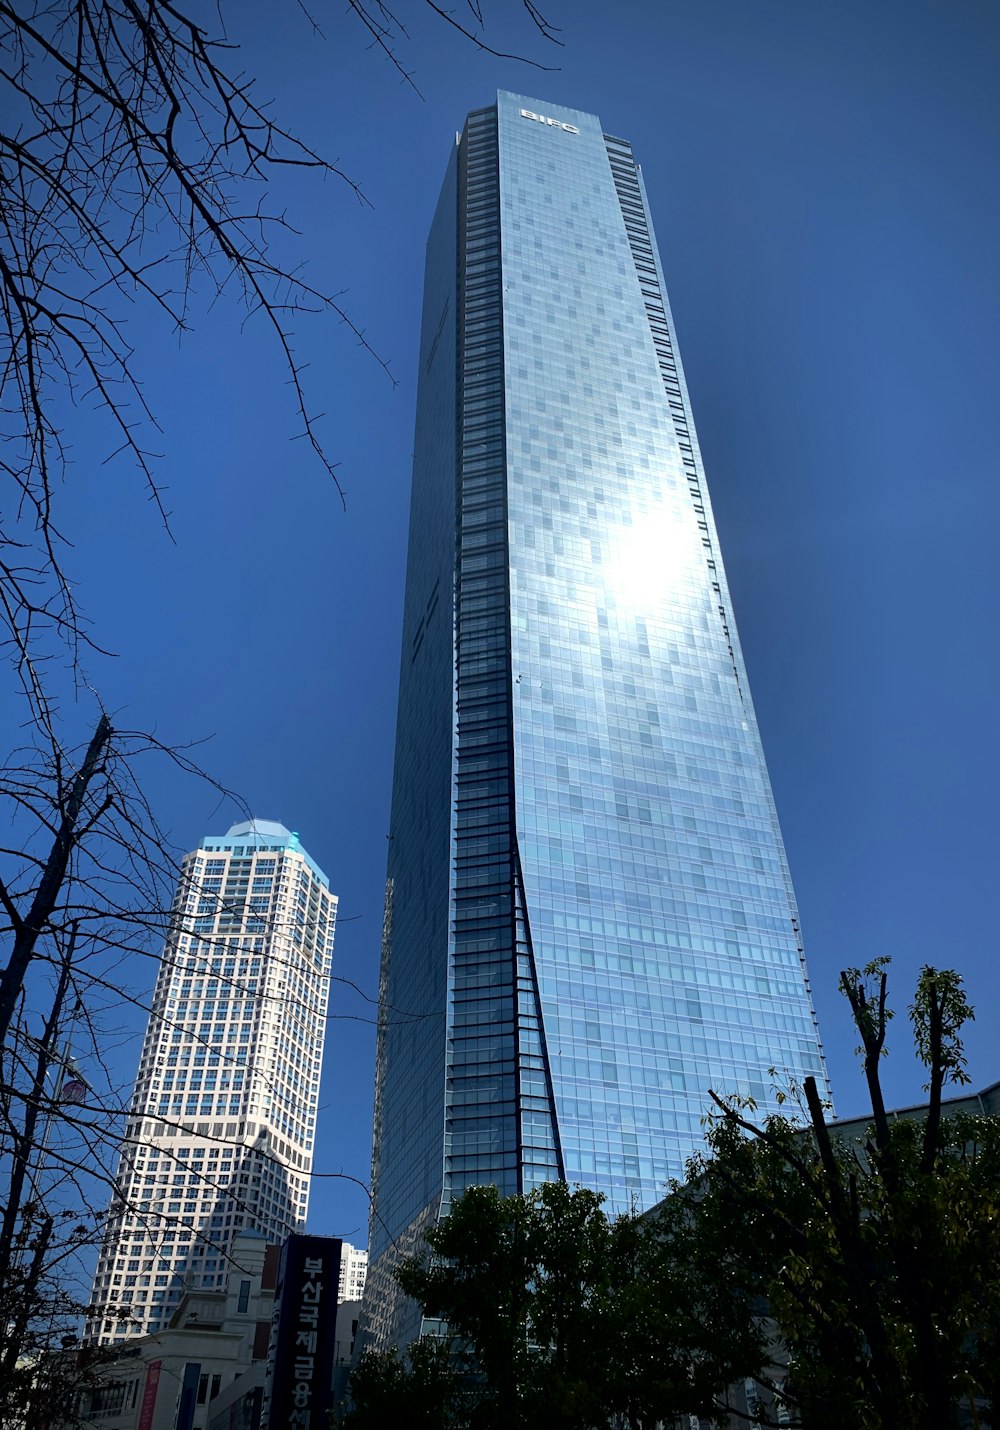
{"x": 589, "y": 917}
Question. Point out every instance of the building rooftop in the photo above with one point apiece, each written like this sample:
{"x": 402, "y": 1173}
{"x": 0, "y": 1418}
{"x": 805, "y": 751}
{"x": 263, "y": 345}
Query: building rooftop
{"x": 265, "y": 828}
{"x": 260, "y": 834}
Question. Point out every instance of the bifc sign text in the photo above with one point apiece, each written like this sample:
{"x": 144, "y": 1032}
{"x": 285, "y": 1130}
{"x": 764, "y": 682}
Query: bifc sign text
{"x": 554, "y": 123}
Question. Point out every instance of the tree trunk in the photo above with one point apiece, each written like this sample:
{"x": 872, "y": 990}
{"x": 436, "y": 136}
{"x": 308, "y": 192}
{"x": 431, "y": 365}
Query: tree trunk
{"x": 27, "y": 930}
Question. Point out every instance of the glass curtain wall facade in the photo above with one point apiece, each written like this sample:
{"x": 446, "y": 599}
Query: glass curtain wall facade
{"x": 589, "y": 916}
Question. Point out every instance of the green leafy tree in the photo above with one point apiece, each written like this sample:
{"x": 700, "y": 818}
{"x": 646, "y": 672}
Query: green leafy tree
{"x": 875, "y": 1258}
{"x": 682, "y": 1324}
{"x": 561, "y": 1317}
{"x": 519, "y": 1281}
{"x": 852, "y": 1276}
{"x": 423, "y": 1390}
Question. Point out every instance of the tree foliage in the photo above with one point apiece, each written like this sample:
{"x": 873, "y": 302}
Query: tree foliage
{"x": 558, "y": 1315}
{"x": 875, "y": 1255}
{"x": 424, "y": 1390}
{"x": 848, "y": 1278}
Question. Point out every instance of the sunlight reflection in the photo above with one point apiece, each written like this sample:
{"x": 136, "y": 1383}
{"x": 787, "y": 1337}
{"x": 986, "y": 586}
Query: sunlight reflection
{"x": 648, "y": 561}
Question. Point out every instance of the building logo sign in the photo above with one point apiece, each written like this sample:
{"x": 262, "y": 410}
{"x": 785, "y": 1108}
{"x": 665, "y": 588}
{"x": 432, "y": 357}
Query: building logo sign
{"x": 552, "y": 123}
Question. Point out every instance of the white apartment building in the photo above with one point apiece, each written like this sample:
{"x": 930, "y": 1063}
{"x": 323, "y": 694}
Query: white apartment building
{"x": 353, "y": 1270}
{"x": 223, "y": 1119}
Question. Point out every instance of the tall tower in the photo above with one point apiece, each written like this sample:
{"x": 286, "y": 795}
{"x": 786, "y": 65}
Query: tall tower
{"x": 589, "y": 916}
{"x": 222, "y": 1125}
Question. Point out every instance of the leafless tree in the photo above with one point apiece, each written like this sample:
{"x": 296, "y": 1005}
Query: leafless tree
{"x": 95, "y": 902}
{"x": 136, "y": 160}
{"x": 86, "y": 887}
{"x": 137, "y": 164}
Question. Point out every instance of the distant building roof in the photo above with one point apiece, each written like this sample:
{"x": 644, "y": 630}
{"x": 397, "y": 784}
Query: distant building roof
{"x": 985, "y": 1103}
{"x": 261, "y": 834}
{"x": 265, "y": 827}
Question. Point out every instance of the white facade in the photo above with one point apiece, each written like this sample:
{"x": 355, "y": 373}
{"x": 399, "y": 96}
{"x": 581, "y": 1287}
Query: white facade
{"x": 214, "y": 1345}
{"x": 222, "y": 1126}
{"x": 353, "y": 1270}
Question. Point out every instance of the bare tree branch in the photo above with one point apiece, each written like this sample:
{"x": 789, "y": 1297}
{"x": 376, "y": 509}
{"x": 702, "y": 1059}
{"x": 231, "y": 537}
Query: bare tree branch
{"x": 128, "y": 147}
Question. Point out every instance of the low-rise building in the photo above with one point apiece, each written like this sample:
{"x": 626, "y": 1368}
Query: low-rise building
{"x": 227, "y": 1352}
{"x": 173, "y": 1379}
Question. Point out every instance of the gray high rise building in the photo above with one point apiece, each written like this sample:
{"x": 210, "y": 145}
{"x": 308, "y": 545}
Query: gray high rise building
{"x": 589, "y": 916}
{"x": 222, "y": 1124}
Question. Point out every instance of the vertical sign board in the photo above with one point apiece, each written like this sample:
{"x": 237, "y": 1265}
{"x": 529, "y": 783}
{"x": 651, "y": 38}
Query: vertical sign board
{"x": 149, "y": 1394}
{"x": 301, "y": 1367}
{"x": 189, "y": 1396}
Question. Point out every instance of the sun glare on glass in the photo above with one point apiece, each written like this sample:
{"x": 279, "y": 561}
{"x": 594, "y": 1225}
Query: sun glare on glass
{"x": 648, "y": 561}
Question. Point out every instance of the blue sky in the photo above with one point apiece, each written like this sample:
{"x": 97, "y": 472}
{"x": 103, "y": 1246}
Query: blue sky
{"x": 823, "y": 185}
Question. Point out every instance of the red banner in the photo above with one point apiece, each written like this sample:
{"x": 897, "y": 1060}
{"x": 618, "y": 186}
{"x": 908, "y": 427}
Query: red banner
{"x": 149, "y": 1395}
